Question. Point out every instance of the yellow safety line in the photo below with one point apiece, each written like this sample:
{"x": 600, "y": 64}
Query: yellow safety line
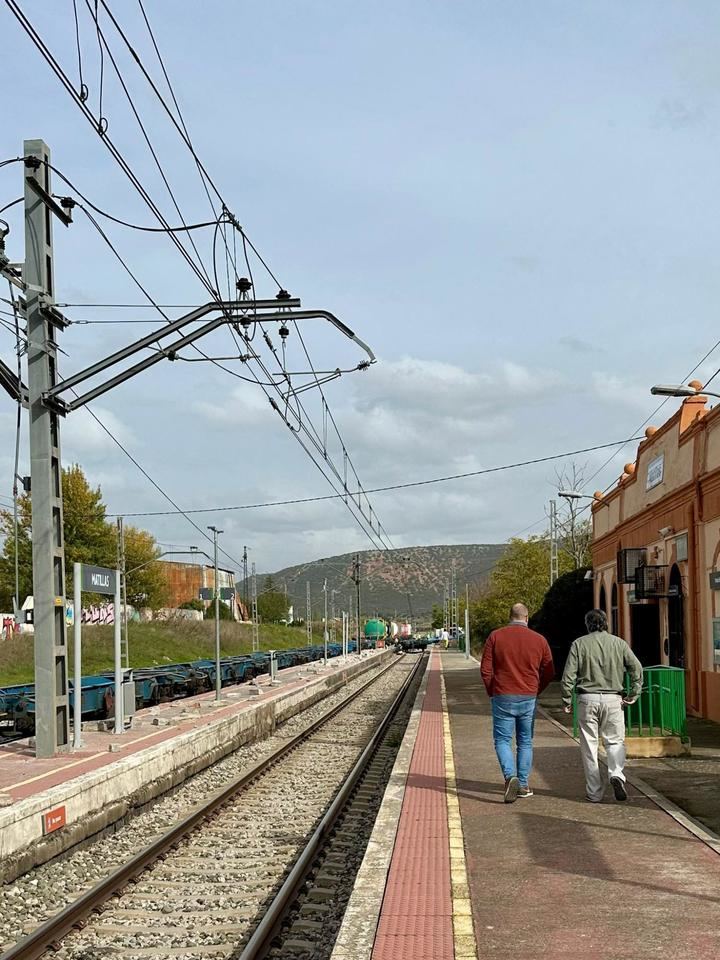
{"x": 463, "y": 931}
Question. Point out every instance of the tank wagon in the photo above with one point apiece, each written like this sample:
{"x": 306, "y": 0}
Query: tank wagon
{"x": 155, "y": 685}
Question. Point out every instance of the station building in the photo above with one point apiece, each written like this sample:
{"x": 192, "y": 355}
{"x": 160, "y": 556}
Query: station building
{"x": 656, "y": 551}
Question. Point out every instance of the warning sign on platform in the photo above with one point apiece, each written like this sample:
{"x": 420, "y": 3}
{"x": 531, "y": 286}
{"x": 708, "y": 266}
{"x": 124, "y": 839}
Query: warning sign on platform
{"x": 53, "y": 820}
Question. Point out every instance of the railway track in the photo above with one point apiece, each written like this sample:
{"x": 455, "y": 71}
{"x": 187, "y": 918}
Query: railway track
{"x": 203, "y": 887}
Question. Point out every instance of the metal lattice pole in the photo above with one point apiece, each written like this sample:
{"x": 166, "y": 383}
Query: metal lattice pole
{"x": 255, "y": 624}
{"x": 121, "y": 568}
{"x": 216, "y": 591}
{"x": 52, "y": 721}
{"x": 308, "y": 615}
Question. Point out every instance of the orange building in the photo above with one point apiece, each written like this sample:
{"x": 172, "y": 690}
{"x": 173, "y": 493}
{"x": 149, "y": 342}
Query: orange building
{"x": 186, "y": 580}
{"x": 656, "y": 551}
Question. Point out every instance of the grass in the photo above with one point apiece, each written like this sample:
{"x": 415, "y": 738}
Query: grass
{"x": 150, "y": 644}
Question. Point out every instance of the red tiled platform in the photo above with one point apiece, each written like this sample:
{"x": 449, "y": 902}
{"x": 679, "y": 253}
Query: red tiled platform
{"x": 556, "y": 877}
{"x": 416, "y": 918}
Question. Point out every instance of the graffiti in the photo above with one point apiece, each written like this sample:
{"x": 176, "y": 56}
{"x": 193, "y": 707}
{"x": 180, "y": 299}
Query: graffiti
{"x": 102, "y": 613}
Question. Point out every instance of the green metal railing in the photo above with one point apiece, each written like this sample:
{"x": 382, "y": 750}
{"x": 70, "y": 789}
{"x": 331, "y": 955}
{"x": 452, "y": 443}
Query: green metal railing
{"x": 659, "y": 711}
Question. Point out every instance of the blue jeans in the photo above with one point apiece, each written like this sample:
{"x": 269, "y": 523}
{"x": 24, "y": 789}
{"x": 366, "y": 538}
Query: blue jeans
{"x": 514, "y": 714}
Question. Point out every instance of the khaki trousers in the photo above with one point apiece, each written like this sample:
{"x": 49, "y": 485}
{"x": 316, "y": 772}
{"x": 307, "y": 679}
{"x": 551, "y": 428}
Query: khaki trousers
{"x": 601, "y": 715}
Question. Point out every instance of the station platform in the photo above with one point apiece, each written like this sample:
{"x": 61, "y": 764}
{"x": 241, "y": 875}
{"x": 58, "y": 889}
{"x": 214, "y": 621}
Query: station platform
{"x": 48, "y": 805}
{"x": 453, "y": 872}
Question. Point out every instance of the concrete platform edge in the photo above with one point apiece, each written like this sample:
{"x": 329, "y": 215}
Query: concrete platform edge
{"x": 96, "y": 800}
{"x": 356, "y": 938}
{"x": 689, "y": 823}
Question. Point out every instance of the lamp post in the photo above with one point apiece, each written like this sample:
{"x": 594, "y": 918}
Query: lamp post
{"x": 218, "y": 678}
{"x": 679, "y": 390}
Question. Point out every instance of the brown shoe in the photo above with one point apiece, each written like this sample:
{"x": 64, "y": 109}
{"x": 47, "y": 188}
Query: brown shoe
{"x": 512, "y": 786}
{"x": 524, "y": 793}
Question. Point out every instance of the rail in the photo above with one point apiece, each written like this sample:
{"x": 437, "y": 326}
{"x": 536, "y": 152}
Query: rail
{"x": 49, "y": 934}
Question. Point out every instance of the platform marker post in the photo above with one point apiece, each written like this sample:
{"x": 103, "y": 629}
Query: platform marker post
{"x": 77, "y": 656}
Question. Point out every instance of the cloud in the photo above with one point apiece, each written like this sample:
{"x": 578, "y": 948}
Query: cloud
{"x": 677, "y": 114}
{"x": 578, "y": 345}
{"x": 613, "y": 390}
{"x": 83, "y": 437}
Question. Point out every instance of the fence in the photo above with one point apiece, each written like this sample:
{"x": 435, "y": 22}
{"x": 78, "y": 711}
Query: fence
{"x": 659, "y": 710}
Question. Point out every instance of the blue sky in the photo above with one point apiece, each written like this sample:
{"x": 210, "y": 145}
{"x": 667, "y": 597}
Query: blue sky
{"x": 514, "y": 204}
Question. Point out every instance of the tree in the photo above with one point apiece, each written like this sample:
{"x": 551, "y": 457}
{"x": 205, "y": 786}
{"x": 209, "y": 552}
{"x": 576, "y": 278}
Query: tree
{"x": 89, "y": 538}
{"x": 225, "y": 612}
{"x": 272, "y": 606}
{"x": 521, "y": 575}
{"x": 561, "y": 617}
{"x": 574, "y": 534}
{"x": 438, "y": 617}
{"x": 7, "y": 558}
{"x": 147, "y": 586}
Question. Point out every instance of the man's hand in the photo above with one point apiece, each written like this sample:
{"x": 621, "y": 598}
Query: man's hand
{"x": 629, "y": 701}
{"x": 567, "y": 709}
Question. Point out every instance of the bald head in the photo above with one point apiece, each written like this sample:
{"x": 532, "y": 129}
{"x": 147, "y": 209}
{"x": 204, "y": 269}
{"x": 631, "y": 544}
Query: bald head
{"x": 519, "y": 612}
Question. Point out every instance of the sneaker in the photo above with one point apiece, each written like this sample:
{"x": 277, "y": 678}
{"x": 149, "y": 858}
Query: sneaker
{"x": 524, "y": 793}
{"x": 618, "y": 786}
{"x": 512, "y": 786}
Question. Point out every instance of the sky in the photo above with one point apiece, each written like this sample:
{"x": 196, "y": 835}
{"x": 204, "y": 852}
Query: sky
{"x": 513, "y": 204}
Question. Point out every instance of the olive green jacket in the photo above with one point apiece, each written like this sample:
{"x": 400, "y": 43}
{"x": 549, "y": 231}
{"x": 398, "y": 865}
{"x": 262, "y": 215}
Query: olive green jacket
{"x": 597, "y": 663}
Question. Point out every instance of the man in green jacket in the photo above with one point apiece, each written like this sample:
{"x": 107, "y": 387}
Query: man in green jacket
{"x": 596, "y": 665}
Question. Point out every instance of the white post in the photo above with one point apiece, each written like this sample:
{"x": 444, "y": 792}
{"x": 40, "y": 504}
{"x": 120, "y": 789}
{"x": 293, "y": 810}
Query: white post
{"x": 118, "y": 659}
{"x": 467, "y": 634}
{"x": 77, "y": 655}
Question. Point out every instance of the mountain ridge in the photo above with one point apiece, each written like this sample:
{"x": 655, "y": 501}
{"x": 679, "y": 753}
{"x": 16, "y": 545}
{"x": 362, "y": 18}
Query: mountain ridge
{"x": 396, "y": 583}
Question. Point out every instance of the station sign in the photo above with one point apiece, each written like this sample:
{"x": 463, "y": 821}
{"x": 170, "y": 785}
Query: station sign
{"x": 53, "y": 820}
{"x": 98, "y": 579}
{"x": 655, "y": 472}
{"x": 715, "y": 580}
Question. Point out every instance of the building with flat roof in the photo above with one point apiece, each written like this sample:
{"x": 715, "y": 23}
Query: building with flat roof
{"x": 187, "y": 580}
{"x": 656, "y": 551}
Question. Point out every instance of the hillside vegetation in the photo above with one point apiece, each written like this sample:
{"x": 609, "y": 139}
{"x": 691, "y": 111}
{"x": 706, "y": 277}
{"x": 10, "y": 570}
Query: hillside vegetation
{"x": 150, "y": 644}
{"x": 387, "y": 578}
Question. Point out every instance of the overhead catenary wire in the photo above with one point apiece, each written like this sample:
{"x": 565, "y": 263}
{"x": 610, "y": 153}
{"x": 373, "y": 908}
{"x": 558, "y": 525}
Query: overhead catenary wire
{"x": 394, "y": 486}
{"x": 200, "y": 271}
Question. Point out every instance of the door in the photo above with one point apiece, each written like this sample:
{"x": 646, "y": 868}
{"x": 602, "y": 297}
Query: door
{"x": 645, "y": 621}
{"x": 676, "y": 625}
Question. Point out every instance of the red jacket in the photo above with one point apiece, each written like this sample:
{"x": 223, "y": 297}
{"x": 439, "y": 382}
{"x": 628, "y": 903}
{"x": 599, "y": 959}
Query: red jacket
{"x": 516, "y": 660}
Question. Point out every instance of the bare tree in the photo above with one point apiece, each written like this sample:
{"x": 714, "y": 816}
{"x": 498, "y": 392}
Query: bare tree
{"x": 573, "y": 523}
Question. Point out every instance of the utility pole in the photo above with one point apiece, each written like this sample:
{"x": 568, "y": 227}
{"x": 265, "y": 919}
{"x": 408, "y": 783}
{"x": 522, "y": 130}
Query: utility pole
{"x": 44, "y": 322}
{"x": 218, "y": 677}
{"x": 255, "y": 623}
{"x": 356, "y": 578}
{"x": 332, "y": 615}
{"x": 325, "y": 631}
{"x": 245, "y": 582}
{"x": 121, "y": 568}
{"x": 308, "y": 616}
{"x": 467, "y": 622}
{"x": 454, "y": 612}
{"x": 554, "y": 571}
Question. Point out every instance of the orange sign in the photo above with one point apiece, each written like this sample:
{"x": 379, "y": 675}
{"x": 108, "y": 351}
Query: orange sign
{"x": 53, "y": 820}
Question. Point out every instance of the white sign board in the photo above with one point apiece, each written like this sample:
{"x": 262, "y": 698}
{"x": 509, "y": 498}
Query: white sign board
{"x": 655, "y": 472}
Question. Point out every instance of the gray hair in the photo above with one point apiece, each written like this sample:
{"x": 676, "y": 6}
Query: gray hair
{"x": 596, "y": 621}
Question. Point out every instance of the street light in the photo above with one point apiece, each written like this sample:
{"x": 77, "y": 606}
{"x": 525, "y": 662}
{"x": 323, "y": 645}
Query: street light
{"x": 679, "y": 390}
{"x": 574, "y": 495}
{"x": 218, "y": 678}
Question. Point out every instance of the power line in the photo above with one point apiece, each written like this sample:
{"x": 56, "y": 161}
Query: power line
{"x": 389, "y": 487}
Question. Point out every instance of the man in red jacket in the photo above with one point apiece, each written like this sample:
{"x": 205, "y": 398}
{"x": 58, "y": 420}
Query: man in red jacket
{"x": 516, "y": 667}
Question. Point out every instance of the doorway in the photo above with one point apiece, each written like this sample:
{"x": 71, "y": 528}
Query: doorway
{"x": 645, "y": 625}
{"x": 676, "y": 625}
{"x": 614, "y": 621}
{"x": 602, "y": 602}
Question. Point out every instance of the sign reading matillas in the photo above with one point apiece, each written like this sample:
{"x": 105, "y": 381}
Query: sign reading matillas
{"x": 98, "y": 579}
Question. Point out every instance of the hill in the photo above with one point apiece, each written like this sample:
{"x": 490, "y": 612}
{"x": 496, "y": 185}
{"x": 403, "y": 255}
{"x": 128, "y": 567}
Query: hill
{"x": 386, "y": 578}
